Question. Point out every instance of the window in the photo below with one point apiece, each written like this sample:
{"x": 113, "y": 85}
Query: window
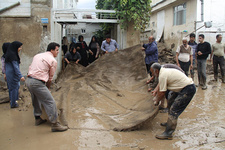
{"x": 179, "y": 16}
{"x": 83, "y": 31}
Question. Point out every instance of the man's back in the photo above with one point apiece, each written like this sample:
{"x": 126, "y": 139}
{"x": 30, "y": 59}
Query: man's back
{"x": 43, "y": 66}
{"x": 173, "y": 79}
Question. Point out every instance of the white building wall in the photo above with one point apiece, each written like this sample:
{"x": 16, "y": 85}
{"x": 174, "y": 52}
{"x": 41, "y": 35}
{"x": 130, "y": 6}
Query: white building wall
{"x": 62, "y": 4}
{"x": 214, "y": 10}
{"x": 173, "y": 34}
{"x": 22, "y": 10}
{"x": 76, "y": 30}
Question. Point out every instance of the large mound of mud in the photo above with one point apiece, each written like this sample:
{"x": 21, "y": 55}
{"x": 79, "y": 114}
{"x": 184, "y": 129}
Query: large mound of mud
{"x": 109, "y": 94}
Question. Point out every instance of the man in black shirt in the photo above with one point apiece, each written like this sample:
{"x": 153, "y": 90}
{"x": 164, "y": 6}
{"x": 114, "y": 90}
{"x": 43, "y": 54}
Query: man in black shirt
{"x": 202, "y": 53}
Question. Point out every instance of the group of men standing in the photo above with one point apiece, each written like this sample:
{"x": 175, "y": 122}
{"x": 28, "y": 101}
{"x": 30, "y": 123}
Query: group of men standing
{"x": 173, "y": 83}
{"x": 191, "y": 53}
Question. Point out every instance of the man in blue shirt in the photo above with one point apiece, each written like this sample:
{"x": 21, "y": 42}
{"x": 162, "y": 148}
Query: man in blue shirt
{"x": 151, "y": 53}
{"x": 194, "y": 45}
{"x": 109, "y": 45}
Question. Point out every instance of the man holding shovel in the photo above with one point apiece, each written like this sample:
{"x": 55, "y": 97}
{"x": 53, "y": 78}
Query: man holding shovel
{"x": 40, "y": 75}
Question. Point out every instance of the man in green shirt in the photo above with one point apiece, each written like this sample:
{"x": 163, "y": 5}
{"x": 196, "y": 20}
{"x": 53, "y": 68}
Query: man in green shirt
{"x": 218, "y": 50}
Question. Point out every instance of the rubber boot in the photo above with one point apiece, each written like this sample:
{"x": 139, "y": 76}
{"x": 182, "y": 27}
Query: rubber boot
{"x": 170, "y": 128}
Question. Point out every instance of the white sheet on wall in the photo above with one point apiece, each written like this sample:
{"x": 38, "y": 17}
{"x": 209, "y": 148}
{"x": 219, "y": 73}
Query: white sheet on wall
{"x": 160, "y": 24}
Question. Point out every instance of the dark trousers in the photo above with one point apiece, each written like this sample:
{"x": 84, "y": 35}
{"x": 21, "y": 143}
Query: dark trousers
{"x": 148, "y": 66}
{"x": 201, "y": 66}
{"x": 218, "y": 60}
{"x": 185, "y": 66}
{"x": 177, "y": 102}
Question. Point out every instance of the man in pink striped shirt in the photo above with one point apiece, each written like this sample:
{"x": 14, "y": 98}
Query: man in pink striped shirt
{"x": 40, "y": 75}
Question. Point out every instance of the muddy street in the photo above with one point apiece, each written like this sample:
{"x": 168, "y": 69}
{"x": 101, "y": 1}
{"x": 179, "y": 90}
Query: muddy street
{"x": 99, "y": 101}
{"x": 201, "y": 126}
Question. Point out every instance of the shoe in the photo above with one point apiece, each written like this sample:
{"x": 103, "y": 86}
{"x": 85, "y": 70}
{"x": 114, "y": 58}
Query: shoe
{"x": 15, "y": 106}
{"x": 204, "y": 87}
{"x": 163, "y": 124}
{"x": 57, "y": 127}
{"x": 223, "y": 80}
{"x": 39, "y": 121}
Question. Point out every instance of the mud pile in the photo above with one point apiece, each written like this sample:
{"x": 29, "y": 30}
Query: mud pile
{"x": 109, "y": 94}
{"x": 165, "y": 54}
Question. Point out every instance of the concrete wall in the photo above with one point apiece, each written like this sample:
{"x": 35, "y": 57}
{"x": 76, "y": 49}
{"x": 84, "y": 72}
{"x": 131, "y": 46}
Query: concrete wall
{"x": 127, "y": 37}
{"x": 173, "y": 34}
{"x": 213, "y": 11}
{"x": 29, "y": 31}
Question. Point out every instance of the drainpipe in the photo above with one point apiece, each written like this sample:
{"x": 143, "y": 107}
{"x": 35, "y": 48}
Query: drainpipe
{"x": 202, "y": 15}
{"x": 202, "y": 10}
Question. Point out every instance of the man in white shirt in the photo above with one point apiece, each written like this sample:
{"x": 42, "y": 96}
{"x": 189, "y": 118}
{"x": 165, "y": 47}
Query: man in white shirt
{"x": 184, "y": 90}
{"x": 184, "y": 56}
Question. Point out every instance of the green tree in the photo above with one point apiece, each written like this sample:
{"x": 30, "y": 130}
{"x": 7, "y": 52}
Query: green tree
{"x": 136, "y": 11}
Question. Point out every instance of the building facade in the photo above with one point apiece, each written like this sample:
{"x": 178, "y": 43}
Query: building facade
{"x": 27, "y": 21}
{"x": 171, "y": 20}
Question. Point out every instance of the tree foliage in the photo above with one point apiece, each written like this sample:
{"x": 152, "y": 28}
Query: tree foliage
{"x": 136, "y": 11}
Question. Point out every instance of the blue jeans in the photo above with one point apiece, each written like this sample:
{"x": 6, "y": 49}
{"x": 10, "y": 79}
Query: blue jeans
{"x": 192, "y": 70}
{"x": 201, "y": 67}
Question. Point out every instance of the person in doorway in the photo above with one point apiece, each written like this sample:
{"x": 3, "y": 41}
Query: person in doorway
{"x": 40, "y": 75}
{"x": 93, "y": 49}
{"x": 72, "y": 56}
{"x": 218, "y": 50}
{"x": 109, "y": 45}
{"x": 203, "y": 51}
{"x": 12, "y": 71}
{"x": 184, "y": 56}
{"x": 193, "y": 44}
{"x": 82, "y": 49}
{"x": 176, "y": 81}
{"x": 4, "y": 49}
{"x": 65, "y": 44}
{"x": 151, "y": 55}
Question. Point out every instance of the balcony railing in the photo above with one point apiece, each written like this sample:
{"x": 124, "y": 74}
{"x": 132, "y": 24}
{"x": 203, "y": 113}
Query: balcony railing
{"x": 84, "y": 15}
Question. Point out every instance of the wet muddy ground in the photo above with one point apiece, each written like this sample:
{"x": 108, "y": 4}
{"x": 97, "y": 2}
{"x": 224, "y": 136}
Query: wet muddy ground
{"x": 201, "y": 126}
